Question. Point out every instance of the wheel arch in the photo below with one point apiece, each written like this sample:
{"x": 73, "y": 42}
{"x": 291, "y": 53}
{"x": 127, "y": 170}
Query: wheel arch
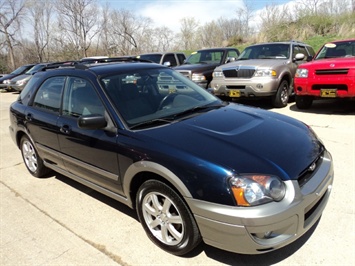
{"x": 142, "y": 171}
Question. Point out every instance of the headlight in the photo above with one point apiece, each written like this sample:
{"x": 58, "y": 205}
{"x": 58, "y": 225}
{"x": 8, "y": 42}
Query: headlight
{"x": 301, "y": 73}
{"x": 218, "y": 74}
{"x": 21, "y": 82}
{"x": 198, "y": 77}
{"x": 252, "y": 190}
{"x": 265, "y": 73}
{"x": 6, "y": 81}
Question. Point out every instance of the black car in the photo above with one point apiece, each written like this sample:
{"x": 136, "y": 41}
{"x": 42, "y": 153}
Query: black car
{"x": 5, "y": 80}
{"x": 200, "y": 64}
{"x": 195, "y": 168}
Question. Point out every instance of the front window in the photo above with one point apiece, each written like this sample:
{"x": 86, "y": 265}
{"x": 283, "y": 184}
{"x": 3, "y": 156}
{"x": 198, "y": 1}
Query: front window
{"x": 34, "y": 69}
{"x": 205, "y": 57}
{"x": 80, "y": 98}
{"x": 336, "y": 50}
{"x": 266, "y": 51}
{"x": 19, "y": 70}
{"x": 154, "y": 95}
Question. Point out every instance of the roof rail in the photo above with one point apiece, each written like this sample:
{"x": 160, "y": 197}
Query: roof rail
{"x": 59, "y": 65}
{"x": 113, "y": 59}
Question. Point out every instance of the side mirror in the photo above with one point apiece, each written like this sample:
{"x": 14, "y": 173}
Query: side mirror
{"x": 167, "y": 64}
{"x": 309, "y": 58}
{"x": 299, "y": 57}
{"x": 92, "y": 122}
{"x": 230, "y": 59}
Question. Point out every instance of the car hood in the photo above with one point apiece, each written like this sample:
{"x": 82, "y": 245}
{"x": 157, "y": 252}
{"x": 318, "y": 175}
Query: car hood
{"x": 257, "y": 63}
{"x": 242, "y": 140}
{"x": 7, "y": 76}
{"x": 339, "y": 62}
{"x": 196, "y": 67}
{"x": 20, "y": 77}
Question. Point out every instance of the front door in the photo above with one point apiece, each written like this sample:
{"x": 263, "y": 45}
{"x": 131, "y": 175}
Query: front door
{"x": 88, "y": 154}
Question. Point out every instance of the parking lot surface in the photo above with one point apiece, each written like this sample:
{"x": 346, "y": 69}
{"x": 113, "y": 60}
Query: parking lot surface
{"x": 56, "y": 221}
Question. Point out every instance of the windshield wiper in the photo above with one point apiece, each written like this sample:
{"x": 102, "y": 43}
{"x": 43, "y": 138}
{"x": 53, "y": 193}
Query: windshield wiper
{"x": 200, "y": 108}
{"x": 153, "y": 122}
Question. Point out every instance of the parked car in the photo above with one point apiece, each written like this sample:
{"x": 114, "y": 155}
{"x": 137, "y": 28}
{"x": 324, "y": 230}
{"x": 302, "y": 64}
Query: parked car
{"x": 168, "y": 59}
{"x": 262, "y": 70}
{"x": 5, "y": 80}
{"x": 194, "y": 167}
{"x": 19, "y": 82}
{"x": 199, "y": 65}
{"x": 331, "y": 74}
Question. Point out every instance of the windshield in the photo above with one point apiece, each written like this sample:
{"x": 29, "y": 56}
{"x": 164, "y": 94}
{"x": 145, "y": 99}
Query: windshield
{"x": 155, "y": 94}
{"x": 151, "y": 57}
{"x": 205, "y": 57}
{"x": 266, "y": 51}
{"x": 337, "y": 49}
{"x": 34, "y": 69}
{"x": 19, "y": 70}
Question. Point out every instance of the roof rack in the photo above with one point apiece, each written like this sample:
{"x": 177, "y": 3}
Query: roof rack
{"x": 59, "y": 65}
{"x": 113, "y": 59}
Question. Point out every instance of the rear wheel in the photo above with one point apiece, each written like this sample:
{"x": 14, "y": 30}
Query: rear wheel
{"x": 166, "y": 219}
{"x": 280, "y": 99}
{"x": 304, "y": 102}
{"x": 33, "y": 162}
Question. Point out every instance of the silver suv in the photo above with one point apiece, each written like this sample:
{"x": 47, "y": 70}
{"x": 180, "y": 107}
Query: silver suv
{"x": 261, "y": 70}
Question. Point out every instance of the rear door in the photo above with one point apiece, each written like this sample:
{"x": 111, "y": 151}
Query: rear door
{"x": 88, "y": 154}
{"x": 41, "y": 119}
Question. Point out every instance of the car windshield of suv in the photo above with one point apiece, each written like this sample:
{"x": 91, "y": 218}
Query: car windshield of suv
{"x": 151, "y": 57}
{"x": 34, "y": 69}
{"x": 205, "y": 57}
{"x": 337, "y": 49}
{"x": 266, "y": 51}
{"x": 19, "y": 70}
{"x": 156, "y": 96}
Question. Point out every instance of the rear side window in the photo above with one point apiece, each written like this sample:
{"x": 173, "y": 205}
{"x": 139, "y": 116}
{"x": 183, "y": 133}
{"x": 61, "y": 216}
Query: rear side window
{"x": 48, "y": 96}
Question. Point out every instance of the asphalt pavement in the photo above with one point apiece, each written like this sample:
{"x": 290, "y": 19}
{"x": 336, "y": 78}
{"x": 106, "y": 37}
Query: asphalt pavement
{"x": 56, "y": 221}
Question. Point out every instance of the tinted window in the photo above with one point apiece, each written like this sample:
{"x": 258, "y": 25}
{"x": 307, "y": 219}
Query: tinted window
{"x": 208, "y": 56}
{"x": 300, "y": 50}
{"x": 48, "y": 96}
{"x": 232, "y": 53}
{"x": 80, "y": 98}
{"x": 181, "y": 58}
{"x": 170, "y": 58}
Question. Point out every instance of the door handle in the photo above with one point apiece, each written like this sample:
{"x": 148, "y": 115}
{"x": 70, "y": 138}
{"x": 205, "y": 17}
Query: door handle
{"x": 65, "y": 129}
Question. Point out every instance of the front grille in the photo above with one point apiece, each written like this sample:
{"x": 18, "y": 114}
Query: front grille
{"x": 307, "y": 174}
{"x": 238, "y": 73}
{"x": 340, "y": 71}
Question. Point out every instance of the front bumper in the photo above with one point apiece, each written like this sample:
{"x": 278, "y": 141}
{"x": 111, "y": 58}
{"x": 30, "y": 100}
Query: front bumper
{"x": 343, "y": 87}
{"x": 260, "y": 229}
{"x": 255, "y": 87}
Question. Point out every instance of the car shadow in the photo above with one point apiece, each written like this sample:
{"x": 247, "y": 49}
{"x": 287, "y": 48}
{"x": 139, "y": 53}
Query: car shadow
{"x": 329, "y": 107}
{"x": 98, "y": 196}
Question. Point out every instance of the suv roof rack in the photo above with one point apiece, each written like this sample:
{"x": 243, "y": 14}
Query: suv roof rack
{"x": 114, "y": 59}
{"x": 59, "y": 65}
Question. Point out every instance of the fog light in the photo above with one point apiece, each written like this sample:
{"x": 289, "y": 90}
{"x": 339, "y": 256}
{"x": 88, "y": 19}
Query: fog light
{"x": 268, "y": 234}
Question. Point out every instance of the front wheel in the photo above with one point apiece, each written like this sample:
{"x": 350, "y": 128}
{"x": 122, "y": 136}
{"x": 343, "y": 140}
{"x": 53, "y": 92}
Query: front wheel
{"x": 166, "y": 219}
{"x": 280, "y": 99}
{"x": 33, "y": 162}
{"x": 304, "y": 102}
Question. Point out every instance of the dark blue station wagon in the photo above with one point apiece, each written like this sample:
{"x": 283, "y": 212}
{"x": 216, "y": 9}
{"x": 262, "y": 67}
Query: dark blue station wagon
{"x": 194, "y": 168}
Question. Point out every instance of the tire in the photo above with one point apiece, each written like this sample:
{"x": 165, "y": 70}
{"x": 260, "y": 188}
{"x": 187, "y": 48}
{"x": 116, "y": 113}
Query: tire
{"x": 166, "y": 218}
{"x": 304, "y": 102}
{"x": 33, "y": 162}
{"x": 280, "y": 99}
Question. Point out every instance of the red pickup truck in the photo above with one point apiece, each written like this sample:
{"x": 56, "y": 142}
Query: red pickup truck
{"x": 330, "y": 74}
